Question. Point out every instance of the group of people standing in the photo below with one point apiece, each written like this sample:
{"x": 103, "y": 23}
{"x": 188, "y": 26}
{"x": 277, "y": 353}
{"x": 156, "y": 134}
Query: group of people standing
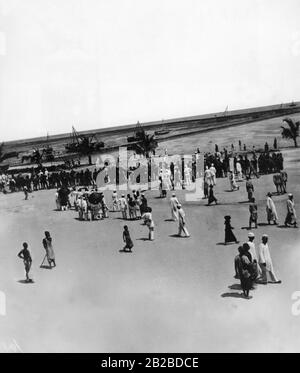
{"x": 254, "y": 265}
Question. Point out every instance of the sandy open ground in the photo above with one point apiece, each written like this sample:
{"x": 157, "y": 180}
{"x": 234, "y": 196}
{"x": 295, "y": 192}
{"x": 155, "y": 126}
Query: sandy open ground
{"x": 170, "y": 295}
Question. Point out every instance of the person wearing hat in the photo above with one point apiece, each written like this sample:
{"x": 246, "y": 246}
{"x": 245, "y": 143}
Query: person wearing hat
{"x": 265, "y": 262}
{"x": 291, "y": 212}
{"x": 253, "y": 213}
{"x": 182, "y": 222}
{"x": 271, "y": 210}
{"x": 229, "y": 236}
{"x": 252, "y": 251}
{"x": 174, "y": 203}
{"x": 123, "y": 206}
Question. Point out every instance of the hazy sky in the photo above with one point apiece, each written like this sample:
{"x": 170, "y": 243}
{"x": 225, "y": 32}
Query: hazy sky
{"x": 96, "y": 63}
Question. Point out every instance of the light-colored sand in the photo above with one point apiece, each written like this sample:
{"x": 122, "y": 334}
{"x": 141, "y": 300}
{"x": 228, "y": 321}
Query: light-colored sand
{"x": 166, "y": 296}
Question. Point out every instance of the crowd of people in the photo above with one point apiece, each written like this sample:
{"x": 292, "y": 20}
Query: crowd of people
{"x": 78, "y": 191}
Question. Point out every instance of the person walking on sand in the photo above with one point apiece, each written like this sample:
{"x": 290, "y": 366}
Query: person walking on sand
{"x": 271, "y": 210}
{"x": 174, "y": 203}
{"x": 115, "y": 201}
{"x": 249, "y": 188}
{"x": 211, "y": 196}
{"x": 291, "y": 217}
{"x": 147, "y": 216}
{"x": 127, "y": 239}
{"x": 213, "y": 172}
{"x": 242, "y": 263}
{"x": 182, "y": 222}
{"x": 27, "y": 260}
{"x": 232, "y": 182}
{"x": 123, "y": 206}
{"x": 253, "y": 213}
{"x": 47, "y": 243}
{"x": 265, "y": 262}
{"x": 208, "y": 177}
{"x": 253, "y": 252}
{"x": 25, "y": 189}
{"x": 284, "y": 178}
{"x": 229, "y": 236}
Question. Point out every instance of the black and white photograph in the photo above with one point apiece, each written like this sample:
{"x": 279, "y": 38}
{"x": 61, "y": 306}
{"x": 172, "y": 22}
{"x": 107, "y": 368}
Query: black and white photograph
{"x": 149, "y": 177}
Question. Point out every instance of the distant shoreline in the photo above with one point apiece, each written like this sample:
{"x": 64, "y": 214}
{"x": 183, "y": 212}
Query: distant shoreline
{"x": 214, "y": 120}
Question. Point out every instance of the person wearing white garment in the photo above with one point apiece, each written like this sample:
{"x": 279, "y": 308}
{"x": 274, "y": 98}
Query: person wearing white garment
{"x": 123, "y": 206}
{"x": 265, "y": 262}
{"x": 213, "y": 172}
{"x": 208, "y": 176}
{"x": 291, "y": 217}
{"x": 233, "y": 184}
{"x": 239, "y": 171}
{"x": 174, "y": 203}
{"x": 187, "y": 175}
{"x": 182, "y": 223}
{"x": 115, "y": 201}
{"x": 251, "y": 238}
{"x": 271, "y": 210}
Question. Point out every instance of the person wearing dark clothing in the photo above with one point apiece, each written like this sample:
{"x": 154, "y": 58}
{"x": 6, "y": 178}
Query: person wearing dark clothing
{"x": 243, "y": 267}
{"x": 253, "y": 213}
{"x": 229, "y": 236}
{"x": 249, "y": 188}
{"x": 144, "y": 204}
{"x": 127, "y": 239}
{"x": 211, "y": 197}
{"x": 25, "y": 255}
{"x": 63, "y": 194}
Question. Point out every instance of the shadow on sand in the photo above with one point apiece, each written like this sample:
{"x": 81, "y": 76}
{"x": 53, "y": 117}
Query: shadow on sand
{"x": 235, "y": 287}
{"x": 26, "y": 281}
{"x": 227, "y": 244}
{"x": 175, "y": 236}
{"x": 45, "y": 267}
{"x": 284, "y": 226}
{"x": 235, "y": 295}
{"x": 265, "y": 224}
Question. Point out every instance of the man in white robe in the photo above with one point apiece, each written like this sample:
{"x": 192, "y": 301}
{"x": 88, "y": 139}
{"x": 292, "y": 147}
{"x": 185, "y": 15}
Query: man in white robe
{"x": 213, "y": 172}
{"x": 271, "y": 210}
{"x": 174, "y": 203}
{"x": 265, "y": 262}
{"x": 182, "y": 223}
{"x": 123, "y": 206}
{"x": 208, "y": 176}
{"x": 254, "y": 256}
